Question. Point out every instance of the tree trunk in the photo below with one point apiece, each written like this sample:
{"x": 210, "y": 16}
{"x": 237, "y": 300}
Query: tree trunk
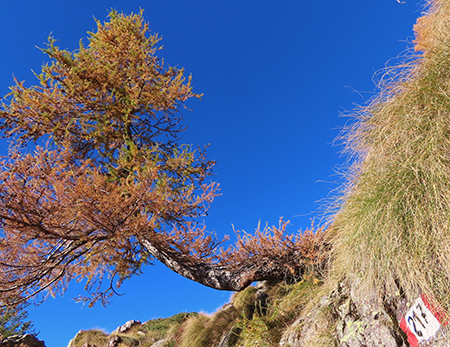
{"x": 229, "y": 277}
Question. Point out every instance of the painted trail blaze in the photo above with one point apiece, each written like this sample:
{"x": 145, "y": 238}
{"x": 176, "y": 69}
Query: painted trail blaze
{"x": 421, "y": 322}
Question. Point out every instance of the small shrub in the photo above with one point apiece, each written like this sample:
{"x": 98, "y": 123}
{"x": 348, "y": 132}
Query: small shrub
{"x": 13, "y": 321}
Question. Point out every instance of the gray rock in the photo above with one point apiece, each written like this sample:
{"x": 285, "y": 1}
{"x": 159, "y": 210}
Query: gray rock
{"x": 355, "y": 322}
{"x": 159, "y": 343}
{"x": 127, "y": 326}
{"x": 114, "y": 341}
{"x": 261, "y": 285}
{"x": 306, "y": 329}
{"x": 22, "y": 341}
{"x": 224, "y": 341}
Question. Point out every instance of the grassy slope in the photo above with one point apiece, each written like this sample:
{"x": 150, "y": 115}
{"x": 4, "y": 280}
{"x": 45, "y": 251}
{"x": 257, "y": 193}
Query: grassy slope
{"x": 247, "y": 320}
{"x": 393, "y": 224}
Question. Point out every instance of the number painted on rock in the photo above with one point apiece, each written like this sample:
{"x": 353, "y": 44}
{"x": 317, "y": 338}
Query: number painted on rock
{"x": 421, "y": 321}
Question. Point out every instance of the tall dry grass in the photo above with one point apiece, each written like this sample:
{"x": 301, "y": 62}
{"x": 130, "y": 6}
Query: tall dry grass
{"x": 393, "y": 224}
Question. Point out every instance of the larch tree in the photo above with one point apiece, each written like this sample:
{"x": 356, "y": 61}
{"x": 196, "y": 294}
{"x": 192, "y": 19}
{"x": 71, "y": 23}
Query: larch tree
{"x": 108, "y": 188}
{"x": 14, "y": 321}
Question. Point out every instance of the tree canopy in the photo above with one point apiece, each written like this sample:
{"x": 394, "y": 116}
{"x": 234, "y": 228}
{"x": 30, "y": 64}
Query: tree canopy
{"x": 108, "y": 188}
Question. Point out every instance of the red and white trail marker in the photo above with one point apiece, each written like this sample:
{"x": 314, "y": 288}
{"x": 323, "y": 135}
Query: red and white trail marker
{"x": 421, "y": 322}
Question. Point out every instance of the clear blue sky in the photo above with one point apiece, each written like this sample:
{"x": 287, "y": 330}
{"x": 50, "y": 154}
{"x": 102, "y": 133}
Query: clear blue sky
{"x": 276, "y": 76}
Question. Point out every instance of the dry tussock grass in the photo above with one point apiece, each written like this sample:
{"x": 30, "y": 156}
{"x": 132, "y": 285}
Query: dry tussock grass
{"x": 393, "y": 226}
{"x": 202, "y": 330}
{"x": 91, "y": 337}
{"x": 193, "y": 329}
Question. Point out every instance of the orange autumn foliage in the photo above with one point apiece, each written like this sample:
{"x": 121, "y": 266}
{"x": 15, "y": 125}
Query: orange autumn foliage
{"x": 274, "y": 242}
{"x": 108, "y": 188}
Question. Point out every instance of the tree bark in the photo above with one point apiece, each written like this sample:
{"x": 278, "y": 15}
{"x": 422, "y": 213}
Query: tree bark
{"x": 228, "y": 277}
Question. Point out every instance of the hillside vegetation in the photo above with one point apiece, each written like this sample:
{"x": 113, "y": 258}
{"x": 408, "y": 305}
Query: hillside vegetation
{"x": 257, "y": 316}
{"x": 393, "y": 224}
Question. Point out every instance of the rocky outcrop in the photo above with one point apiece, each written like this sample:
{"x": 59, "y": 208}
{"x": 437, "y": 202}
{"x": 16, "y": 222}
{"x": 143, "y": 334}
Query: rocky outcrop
{"x": 344, "y": 319}
{"x": 306, "y": 329}
{"x": 114, "y": 341}
{"x": 348, "y": 320}
{"x": 127, "y": 326}
{"x": 21, "y": 341}
{"x": 365, "y": 322}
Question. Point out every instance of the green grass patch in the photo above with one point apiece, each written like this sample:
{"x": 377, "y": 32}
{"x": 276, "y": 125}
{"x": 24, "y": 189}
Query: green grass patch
{"x": 285, "y": 303}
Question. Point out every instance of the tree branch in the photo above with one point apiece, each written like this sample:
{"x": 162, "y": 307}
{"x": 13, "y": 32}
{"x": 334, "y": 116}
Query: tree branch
{"x": 226, "y": 277}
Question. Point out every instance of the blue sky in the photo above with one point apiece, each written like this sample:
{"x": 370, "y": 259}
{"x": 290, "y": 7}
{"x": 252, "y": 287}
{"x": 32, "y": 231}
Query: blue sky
{"x": 276, "y": 77}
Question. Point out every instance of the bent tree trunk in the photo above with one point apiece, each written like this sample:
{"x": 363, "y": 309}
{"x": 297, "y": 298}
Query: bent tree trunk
{"x": 231, "y": 277}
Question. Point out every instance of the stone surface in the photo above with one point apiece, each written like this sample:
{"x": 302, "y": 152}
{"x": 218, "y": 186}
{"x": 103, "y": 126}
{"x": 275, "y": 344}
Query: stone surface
{"x": 350, "y": 320}
{"x": 159, "y": 343}
{"x": 114, "y": 341}
{"x": 305, "y": 330}
{"x": 225, "y": 340}
{"x": 127, "y": 326}
{"x": 355, "y": 322}
{"x": 22, "y": 341}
